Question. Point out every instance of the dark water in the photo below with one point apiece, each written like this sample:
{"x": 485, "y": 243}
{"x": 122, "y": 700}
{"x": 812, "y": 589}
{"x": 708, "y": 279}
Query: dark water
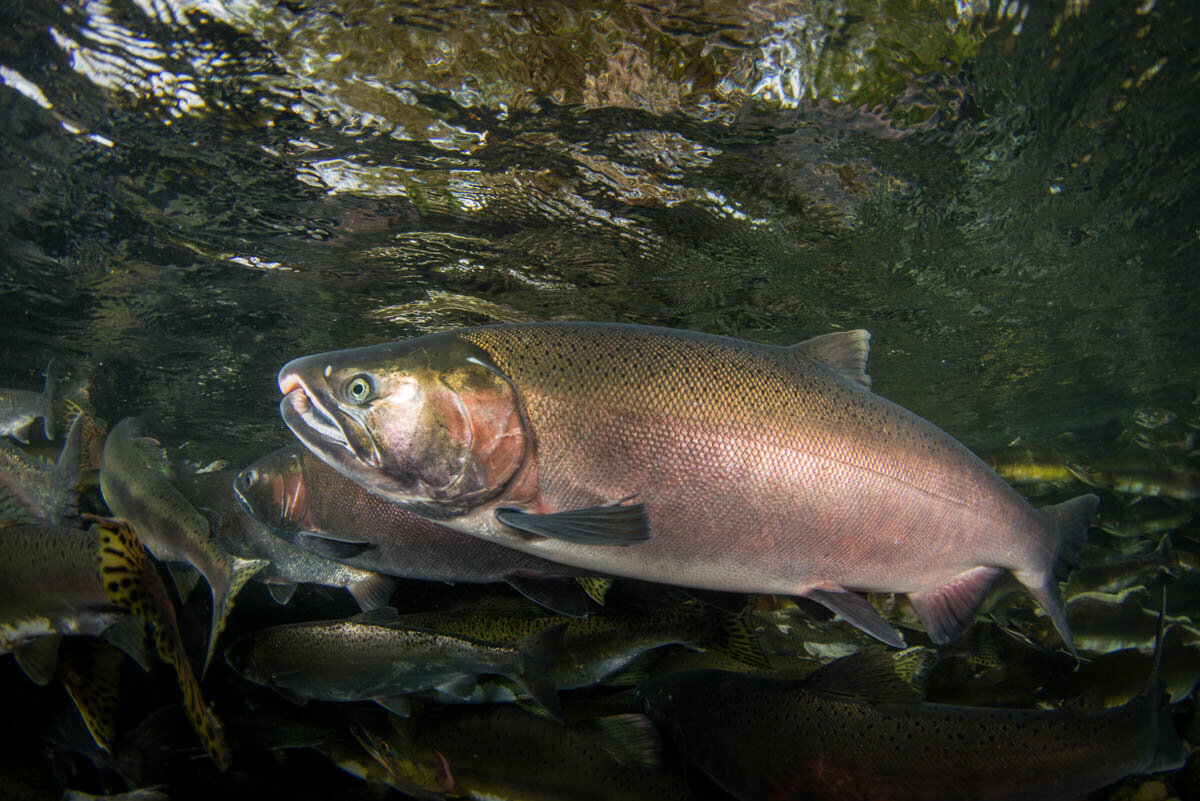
{"x": 195, "y": 192}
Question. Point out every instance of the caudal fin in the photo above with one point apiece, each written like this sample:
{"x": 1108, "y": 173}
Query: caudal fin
{"x": 539, "y": 652}
{"x": 224, "y": 593}
{"x": 1071, "y": 519}
{"x": 1169, "y": 752}
{"x": 67, "y": 471}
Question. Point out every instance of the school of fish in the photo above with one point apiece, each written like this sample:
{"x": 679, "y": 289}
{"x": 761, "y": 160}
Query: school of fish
{"x": 608, "y": 561}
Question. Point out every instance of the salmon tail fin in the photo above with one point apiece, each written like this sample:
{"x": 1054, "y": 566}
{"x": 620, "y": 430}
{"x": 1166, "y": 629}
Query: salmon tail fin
{"x": 49, "y": 423}
{"x": 539, "y": 652}
{"x": 240, "y": 573}
{"x": 132, "y": 582}
{"x": 1169, "y": 751}
{"x": 1071, "y": 520}
{"x": 91, "y": 672}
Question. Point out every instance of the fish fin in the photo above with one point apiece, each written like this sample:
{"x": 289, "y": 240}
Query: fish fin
{"x": 539, "y": 652}
{"x": 596, "y": 587}
{"x": 38, "y": 657}
{"x": 1169, "y": 751}
{"x": 290, "y": 695}
{"x": 373, "y": 592}
{"x": 629, "y": 738}
{"x": 398, "y": 705}
{"x": 49, "y": 424}
{"x": 612, "y": 524}
{"x": 844, "y": 351}
{"x": 133, "y": 584}
{"x": 949, "y": 609}
{"x": 856, "y": 611}
{"x": 1071, "y": 519}
{"x": 91, "y": 672}
{"x": 67, "y": 469}
{"x": 153, "y": 454}
{"x": 460, "y": 687}
{"x": 282, "y": 591}
{"x": 185, "y": 578}
{"x": 331, "y": 547}
{"x": 561, "y": 595}
{"x": 632, "y": 674}
{"x": 128, "y": 635}
{"x": 1167, "y": 553}
{"x": 734, "y": 636}
{"x": 869, "y": 675}
{"x": 240, "y": 573}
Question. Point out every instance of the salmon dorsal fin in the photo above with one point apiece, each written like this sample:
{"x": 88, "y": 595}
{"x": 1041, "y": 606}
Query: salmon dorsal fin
{"x": 869, "y": 675}
{"x": 844, "y": 351}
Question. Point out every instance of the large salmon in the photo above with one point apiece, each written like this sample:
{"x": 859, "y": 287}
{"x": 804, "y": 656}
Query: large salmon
{"x": 722, "y": 464}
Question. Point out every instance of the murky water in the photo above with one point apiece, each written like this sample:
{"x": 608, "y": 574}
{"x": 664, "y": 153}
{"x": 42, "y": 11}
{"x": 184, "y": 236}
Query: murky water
{"x": 1006, "y": 196}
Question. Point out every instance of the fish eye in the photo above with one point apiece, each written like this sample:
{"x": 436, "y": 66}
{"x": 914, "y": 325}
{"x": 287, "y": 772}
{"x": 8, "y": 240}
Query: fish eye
{"x": 249, "y": 477}
{"x": 359, "y": 389}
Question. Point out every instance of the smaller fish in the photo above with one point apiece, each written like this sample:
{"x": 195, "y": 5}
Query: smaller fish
{"x": 1143, "y": 519}
{"x": 373, "y": 656}
{"x": 502, "y": 754}
{"x": 1153, "y": 418}
{"x": 854, "y": 731}
{"x": 57, "y": 582}
{"x": 1147, "y": 480}
{"x": 243, "y": 536}
{"x": 19, "y": 408}
{"x": 135, "y": 486}
{"x": 308, "y": 503}
{"x": 603, "y": 644}
{"x": 34, "y": 489}
{"x": 1121, "y": 572}
{"x": 1025, "y": 465}
{"x": 1116, "y": 677}
{"x": 1112, "y": 622}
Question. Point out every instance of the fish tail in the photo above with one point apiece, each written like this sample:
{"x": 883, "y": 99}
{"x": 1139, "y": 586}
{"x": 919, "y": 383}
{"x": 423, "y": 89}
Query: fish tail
{"x": 225, "y": 589}
{"x": 539, "y": 652}
{"x": 49, "y": 424}
{"x": 133, "y": 584}
{"x": 1070, "y": 520}
{"x": 91, "y": 672}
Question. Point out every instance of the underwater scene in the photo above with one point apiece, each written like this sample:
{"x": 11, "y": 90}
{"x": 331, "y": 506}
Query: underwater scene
{"x": 552, "y": 401}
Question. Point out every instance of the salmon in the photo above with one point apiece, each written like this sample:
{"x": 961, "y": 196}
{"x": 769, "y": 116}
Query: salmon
{"x": 685, "y": 458}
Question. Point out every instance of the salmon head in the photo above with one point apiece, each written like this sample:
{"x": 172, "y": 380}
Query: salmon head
{"x": 272, "y": 490}
{"x": 427, "y": 422}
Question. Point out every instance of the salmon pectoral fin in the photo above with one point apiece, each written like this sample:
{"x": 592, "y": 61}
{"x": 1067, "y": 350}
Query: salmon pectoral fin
{"x": 856, "y": 611}
{"x": 613, "y": 524}
{"x": 947, "y": 610}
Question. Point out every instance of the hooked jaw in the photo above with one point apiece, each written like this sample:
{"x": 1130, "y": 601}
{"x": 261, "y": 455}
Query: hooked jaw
{"x": 321, "y": 429}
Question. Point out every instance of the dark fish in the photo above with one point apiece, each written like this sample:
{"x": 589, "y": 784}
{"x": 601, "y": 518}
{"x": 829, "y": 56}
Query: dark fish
{"x": 56, "y": 582}
{"x": 374, "y": 657}
{"x": 721, "y": 464}
{"x": 503, "y": 754}
{"x": 854, "y": 730}
{"x": 240, "y": 534}
{"x": 34, "y": 489}
{"x": 601, "y": 645}
{"x": 306, "y": 502}
{"x": 135, "y": 487}
{"x": 1147, "y": 479}
{"x": 1121, "y": 572}
{"x": 20, "y": 407}
{"x": 1024, "y": 465}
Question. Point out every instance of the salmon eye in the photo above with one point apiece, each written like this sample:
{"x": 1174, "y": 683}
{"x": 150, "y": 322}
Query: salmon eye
{"x": 359, "y": 389}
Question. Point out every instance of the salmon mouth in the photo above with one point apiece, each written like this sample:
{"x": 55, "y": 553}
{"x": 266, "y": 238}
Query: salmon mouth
{"x": 323, "y": 431}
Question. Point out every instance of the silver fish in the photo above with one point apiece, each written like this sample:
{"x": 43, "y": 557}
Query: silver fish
{"x": 721, "y": 464}
{"x": 373, "y": 656}
{"x": 36, "y": 489}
